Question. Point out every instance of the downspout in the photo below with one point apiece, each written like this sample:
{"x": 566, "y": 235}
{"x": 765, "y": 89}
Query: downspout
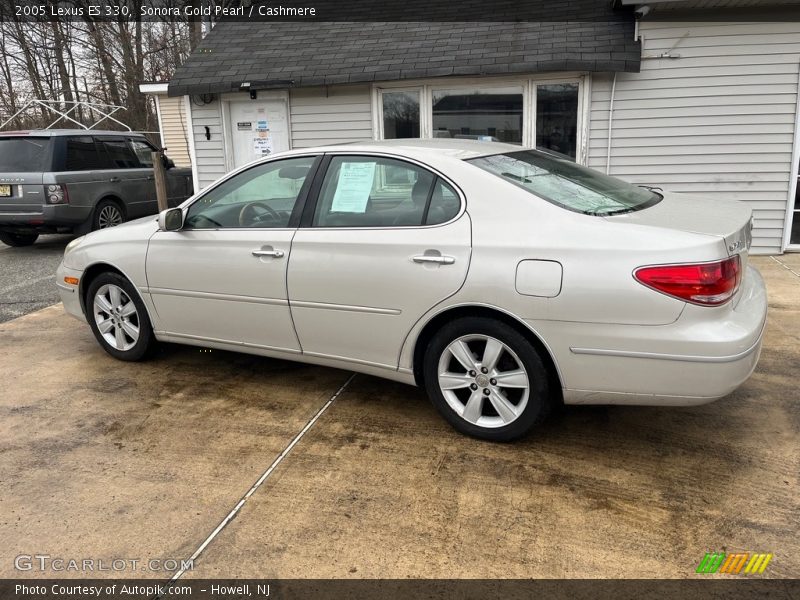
{"x": 610, "y": 122}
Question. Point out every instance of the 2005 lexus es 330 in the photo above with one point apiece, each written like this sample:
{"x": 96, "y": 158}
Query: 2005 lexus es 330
{"x": 502, "y": 280}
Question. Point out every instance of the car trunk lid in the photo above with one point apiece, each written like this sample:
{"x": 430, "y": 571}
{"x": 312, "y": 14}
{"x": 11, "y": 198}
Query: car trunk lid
{"x": 728, "y": 220}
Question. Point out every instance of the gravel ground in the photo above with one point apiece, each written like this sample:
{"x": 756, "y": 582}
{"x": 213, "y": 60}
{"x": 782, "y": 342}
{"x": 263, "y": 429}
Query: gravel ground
{"x": 26, "y": 276}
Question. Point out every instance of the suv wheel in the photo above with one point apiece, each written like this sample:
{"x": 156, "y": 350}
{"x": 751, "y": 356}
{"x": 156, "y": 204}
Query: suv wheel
{"x": 486, "y": 379}
{"x": 118, "y": 318}
{"x": 107, "y": 214}
{"x": 18, "y": 239}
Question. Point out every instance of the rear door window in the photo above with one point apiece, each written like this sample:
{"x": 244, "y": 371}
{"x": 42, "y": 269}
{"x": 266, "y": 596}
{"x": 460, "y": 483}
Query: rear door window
{"x": 82, "y": 154}
{"x": 371, "y": 191}
{"x": 119, "y": 153}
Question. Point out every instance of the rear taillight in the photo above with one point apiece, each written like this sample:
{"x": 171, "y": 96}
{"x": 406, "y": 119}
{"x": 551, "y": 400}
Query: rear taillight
{"x": 56, "y": 193}
{"x": 709, "y": 284}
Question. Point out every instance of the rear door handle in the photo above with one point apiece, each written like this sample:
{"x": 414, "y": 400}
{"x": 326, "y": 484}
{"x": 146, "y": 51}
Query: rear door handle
{"x": 430, "y": 258}
{"x": 114, "y": 180}
{"x": 272, "y": 253}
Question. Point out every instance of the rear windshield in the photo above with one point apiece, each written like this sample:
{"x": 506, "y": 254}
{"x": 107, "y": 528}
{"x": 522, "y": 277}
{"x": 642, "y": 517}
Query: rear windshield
{"x": 566, "y": 184}
{"x": 24, "y": 154}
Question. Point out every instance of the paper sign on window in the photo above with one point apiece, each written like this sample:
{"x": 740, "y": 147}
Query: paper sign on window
{"x": 354, "y": 187}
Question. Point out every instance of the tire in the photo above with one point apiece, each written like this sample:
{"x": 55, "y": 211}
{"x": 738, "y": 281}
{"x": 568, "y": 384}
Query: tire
{"x": 119, "y": 320}
{"x": 516, "y": 401}
{"x": 17, "y": 240}
{"x": 107, "y": 213}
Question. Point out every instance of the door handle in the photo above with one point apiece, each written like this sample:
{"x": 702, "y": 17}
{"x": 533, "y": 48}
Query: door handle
{"x": 272, "y": 253}
{"x": 114, "y": 179}
{"x": 430, "y": 258}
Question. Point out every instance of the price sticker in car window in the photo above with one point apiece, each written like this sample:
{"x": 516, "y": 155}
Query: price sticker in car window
{"x": 354, "y": 187}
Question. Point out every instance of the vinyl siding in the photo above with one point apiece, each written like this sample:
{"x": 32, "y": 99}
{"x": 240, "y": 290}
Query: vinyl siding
{"x": 174, "y": 129}
{"x": 719, "y": 120}
{"x": 330, "y": 115}
{"x": 209, "y": 154}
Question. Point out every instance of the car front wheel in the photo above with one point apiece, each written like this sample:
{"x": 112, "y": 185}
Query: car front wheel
{"x": 118, "y": 318}
{"x": 486, "y": 379}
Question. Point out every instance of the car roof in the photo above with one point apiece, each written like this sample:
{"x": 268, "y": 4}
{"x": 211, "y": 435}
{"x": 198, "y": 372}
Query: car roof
{"x": 422, "y": 148}
{"x": 61, "y": 132}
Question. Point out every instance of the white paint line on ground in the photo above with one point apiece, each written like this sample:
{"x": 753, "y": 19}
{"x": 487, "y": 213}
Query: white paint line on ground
{"x": 263, "y": 477}
{"x": 30, "y": 282}
{"x": 785, "y": 266}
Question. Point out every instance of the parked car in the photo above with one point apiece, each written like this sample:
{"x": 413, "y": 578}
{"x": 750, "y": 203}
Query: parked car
{"x": 59, "y": 181}
{"x": 503, "y": 280}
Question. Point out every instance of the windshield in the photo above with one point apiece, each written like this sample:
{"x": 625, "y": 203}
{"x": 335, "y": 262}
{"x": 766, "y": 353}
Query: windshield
{"x": 24, "y": 154}
{"x": 566, "y": 184}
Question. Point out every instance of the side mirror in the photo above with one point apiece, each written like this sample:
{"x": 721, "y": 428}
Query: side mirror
{"x": 170, "y": 219}
{"x": 168, "y": 162}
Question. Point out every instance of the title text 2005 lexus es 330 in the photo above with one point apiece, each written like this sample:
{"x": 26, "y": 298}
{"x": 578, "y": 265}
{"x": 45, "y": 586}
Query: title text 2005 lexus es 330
{"x": 502, "y": 280}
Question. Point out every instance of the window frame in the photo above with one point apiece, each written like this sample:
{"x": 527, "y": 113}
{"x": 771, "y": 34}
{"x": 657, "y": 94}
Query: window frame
{"x": 528, "y": 83}
{"x": 300, "y": 204}
{"x": 306, "y": 221}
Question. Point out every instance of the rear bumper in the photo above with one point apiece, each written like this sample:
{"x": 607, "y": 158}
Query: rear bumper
{"x": 48, "y": 218}
{"x": 705, "y": 354}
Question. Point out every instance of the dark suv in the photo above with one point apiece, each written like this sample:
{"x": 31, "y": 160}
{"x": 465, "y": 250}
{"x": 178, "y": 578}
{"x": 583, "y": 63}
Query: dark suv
{"x": 64, "y": 180}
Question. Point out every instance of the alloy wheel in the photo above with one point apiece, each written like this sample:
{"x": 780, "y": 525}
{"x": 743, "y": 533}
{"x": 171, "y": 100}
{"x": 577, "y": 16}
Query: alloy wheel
{"x": 483, "y": 381}
{"x": 116, "y": 317}
{"x": 109, "y": 216}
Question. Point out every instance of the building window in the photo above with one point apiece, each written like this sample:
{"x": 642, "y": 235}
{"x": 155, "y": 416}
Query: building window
{"x": 557, "y": 118}
{"x": 400, "y": 114}
{"x": 478, "y": 114}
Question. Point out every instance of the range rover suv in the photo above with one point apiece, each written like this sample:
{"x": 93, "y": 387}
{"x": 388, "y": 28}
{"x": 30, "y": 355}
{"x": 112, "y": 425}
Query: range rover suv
{"x": 73, "y": 180}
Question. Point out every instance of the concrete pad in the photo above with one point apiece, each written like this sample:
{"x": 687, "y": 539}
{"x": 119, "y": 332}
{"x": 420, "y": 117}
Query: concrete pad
{"x": 101, "y": 459}
{"x": 381, "y": 487}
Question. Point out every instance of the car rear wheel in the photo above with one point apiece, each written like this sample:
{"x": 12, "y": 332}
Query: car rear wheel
{"x": 18, "y": 239}
{"x": 486, "y": 379}
{"x": 107, "y": 214}
{"x": 118, "y": 318}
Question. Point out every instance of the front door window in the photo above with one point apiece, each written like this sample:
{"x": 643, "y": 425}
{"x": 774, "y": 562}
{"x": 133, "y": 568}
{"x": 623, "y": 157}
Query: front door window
{"x": 264, "y": 196}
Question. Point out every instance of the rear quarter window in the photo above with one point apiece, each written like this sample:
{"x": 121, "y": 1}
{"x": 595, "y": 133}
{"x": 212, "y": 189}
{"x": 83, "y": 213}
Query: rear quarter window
{"x": 25, "y": 154}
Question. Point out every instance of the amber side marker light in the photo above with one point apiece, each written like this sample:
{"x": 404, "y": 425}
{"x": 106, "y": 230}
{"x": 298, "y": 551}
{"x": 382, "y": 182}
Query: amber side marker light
{"x": 71, "y": 280}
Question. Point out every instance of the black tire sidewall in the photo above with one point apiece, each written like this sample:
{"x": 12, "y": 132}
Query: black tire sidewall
{"x": 539, "y": 403}
{"x": 146, "y": 339}
{"x": 100, "y": 206}
{"x": 18, "y": 240}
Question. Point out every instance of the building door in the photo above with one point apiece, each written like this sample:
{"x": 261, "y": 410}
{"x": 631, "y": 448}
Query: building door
{"x": 257, "y": 129}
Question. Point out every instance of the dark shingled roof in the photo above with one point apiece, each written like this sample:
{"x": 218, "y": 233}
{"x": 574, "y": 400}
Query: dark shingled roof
{"x": 271, "y": 54}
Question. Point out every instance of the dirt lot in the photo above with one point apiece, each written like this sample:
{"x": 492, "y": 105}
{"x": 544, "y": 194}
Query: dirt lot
{"x": 102, "y": 459}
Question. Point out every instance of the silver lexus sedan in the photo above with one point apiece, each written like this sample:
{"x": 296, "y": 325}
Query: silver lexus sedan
{"x": 503, "y": 280}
